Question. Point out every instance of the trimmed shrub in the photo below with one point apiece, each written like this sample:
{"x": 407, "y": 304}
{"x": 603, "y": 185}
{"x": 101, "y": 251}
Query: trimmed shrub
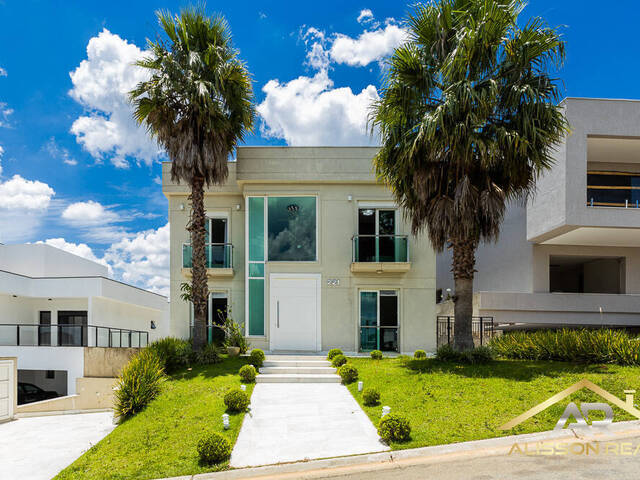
{"x": 339, "y": 360}
{"x": 236, "y": 400}
{"x": 579, "y": 345}
{"x": 256, "y": 357}
{"x": 394, "y": 428}
{"x": 475, "y": 356}
{"x": 139, "y": 382}
{"x": 376, "y": 355}
{"x": 213, "y": 448}
{"x": 210, "y": 354}
{"x": 174, "y": 353}
{"x": 348, "y": 373}
{"x": 370, "y": 396}
{"x": 247, "y": 373}
{"x": 333, "y": 353}
{"x": 419, "y": 354}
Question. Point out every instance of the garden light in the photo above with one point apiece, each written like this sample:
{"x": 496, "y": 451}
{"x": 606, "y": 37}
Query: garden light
{"x": 225, "y": 421}
{"x": 385, "y": 411}
{"x": 360, "y": 385}
{"x": 243, "y": 388}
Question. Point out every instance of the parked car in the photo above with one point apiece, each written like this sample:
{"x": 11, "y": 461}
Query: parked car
{"x": 28, "y": 392}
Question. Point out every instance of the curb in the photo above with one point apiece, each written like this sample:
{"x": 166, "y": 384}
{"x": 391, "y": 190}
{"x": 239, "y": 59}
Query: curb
{"x": 423, "y": 455}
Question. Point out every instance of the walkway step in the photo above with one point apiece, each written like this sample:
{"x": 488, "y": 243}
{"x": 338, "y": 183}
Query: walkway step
{"x": 298, "y": 378}
{"x": 276, "y": 357}
{"x": 295, "y": 369}
{"x": 296, "y": 363}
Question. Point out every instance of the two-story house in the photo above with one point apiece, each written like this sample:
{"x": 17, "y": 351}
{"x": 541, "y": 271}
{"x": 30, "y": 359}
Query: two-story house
{"x": 308, "y": 251}
{"x": 571, "y": 255}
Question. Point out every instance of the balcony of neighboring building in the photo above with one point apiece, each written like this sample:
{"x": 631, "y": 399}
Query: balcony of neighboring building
{"x": 591, "y": 196}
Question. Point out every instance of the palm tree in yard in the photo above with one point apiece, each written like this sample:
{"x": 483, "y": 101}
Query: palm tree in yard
{"x": 468, "y": 118}
{"x": 198, "y": 104}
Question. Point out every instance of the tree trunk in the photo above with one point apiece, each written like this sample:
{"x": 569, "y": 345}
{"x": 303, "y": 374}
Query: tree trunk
{"x": 463, "y": 269}
{"x": 199, "y": 288}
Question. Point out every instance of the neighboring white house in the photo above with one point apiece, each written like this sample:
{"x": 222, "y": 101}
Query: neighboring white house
{"x": 54, "y": 305}
{"x": 571, "y": 256}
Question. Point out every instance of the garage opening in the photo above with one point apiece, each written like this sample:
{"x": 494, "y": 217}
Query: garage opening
{"x": 37, "y": 385}
{"x": 578, "y": 274}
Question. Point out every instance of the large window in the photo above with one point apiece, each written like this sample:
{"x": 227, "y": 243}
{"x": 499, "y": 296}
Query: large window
{"x": 577, "y": 274}
{"x": 292, "y": 229}
{"x": 613, "y": 189}
{"x": 379, "y": 320}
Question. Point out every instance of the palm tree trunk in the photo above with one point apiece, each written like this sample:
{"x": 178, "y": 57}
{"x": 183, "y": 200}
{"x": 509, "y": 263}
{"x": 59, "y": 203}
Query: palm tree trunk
{"x": 199, "y": 288}
{"x": 463, "y": 269}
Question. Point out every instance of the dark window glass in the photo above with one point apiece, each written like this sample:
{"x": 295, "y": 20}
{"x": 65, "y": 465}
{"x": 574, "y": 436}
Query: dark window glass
{"x": 291, "y": 229}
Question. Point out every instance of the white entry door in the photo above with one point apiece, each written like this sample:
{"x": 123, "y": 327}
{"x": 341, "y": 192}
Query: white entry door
{"x": 294, "y": 312}
{"x": 7, "y": 386}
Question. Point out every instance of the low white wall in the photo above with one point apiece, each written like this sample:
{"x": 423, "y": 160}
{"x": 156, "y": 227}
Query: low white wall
{"x": 70, "y": 359}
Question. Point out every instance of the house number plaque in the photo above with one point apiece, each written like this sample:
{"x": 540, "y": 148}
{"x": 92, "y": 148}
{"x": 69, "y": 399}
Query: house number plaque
{"x": 333, "y": 282}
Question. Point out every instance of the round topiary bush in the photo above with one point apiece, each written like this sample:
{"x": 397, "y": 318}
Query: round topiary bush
{"x": 339, "y": 360}
{"x": 333, "y": 352}
{"x": 348, "y": 373}
{"x": 247, "y": 373}
{"x": 376, "y": 355}
{"x": 419, "y": 354}
{"x": 394, "y": 428}
{"x": 370, "y": 396}
{"x": 236, "y": 400}
{"x": 256, "y": 357}
{"x": 213, "y": 448}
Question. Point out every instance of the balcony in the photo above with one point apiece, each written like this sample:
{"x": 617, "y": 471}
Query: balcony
{"x": 219, "y": 259}
{"x": 28, "y": 335}
{"x": 381, "y": 254}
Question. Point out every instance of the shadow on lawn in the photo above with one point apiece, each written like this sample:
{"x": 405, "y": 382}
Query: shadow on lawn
{"x": 509, "y": 369}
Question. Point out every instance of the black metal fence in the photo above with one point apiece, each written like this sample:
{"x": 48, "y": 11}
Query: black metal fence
{"x": 28, "y": 335}
{"x": 481, "y": 328}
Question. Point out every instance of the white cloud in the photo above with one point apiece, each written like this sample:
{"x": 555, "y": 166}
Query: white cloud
{"x": 1, "y": 154}
{"x": 89, "y": 213}
{"x": 309, "y": 111}
{"x": 22, "y": 194}
{"x": 365, "y": 16}
{"x": 58, "y": 152}
{"x": 143, "y": 260}
{"x": 3, "y": 72}
{"x": 81, "y": 249}
{"x": 5, "y": 113}
{"x": 23, "y": 205}
{"x": 317, "y": 55}
{"x": 370, "y": 46}
{"x": 101, "y": 84}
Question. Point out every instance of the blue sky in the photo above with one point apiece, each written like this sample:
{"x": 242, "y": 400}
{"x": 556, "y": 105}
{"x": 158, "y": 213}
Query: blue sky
{"x": 74, "y": 170}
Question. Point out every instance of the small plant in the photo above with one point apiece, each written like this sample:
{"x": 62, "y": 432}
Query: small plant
{"x": 247, "y": 373}
{"x": 475, "y": 356}
{"x": 236, "y": 400}
{"x": 376, "y": 355}
{"x": 419, "y": 354}
{"x": 174, "y": 353}
{"x": 348, "y": 373}
{"x": 209, "y": 355}
{"x": 394, "y": 428}
{"x": 446, "y": 353}
{"x": 333, "y": 353}
{"x": 234, "y": 335}
{"x": 256, "y": 357}
{"x": 338, "y": 360}
{"x": 213, "y": 448}
{"x": 139, "y": 383}
{"x": 370, "y": 396}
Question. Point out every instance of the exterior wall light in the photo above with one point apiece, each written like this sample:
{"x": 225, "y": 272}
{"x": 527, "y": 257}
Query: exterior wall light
{"x": 153, "y": 325}
{"x": 182, "y": 206}
{"x": 386, "y": 411}
{"x": 225, "y": 421}
{"x": 349, "y": 198}
{"x": 238, "y": 206}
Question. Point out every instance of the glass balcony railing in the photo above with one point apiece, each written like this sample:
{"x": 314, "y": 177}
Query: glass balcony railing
{"x": 71, "y": 336}
{"x": 613, "y": 189}
{"x": 219, "y": 255}
{"x": 380, "y": 248}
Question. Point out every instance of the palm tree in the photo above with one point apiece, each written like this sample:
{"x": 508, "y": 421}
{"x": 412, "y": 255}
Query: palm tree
{"x": 198, "y": 104}
{"x": 468, "y": 118}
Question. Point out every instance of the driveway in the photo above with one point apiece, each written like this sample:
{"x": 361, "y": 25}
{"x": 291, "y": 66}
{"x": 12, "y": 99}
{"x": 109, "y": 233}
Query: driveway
{"x": 299, "y": 421}
{"x": 37, "y": 448}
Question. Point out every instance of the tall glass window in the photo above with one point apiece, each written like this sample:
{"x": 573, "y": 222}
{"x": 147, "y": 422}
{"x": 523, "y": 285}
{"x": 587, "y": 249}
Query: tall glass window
{"x": 292, "y": 229}
{"x": 379, "y": 320}
{"x": 255, "y": 267}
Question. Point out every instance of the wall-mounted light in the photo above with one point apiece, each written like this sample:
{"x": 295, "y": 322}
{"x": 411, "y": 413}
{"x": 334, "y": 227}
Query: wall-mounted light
{"x": 182, "y": 206}
{"x": 15, "y": 296}
{"x": 153, "y": 325}
{"x": 49, "y": 299}
{"x": 349, "y": 198}
{"x": 238, "y": 206}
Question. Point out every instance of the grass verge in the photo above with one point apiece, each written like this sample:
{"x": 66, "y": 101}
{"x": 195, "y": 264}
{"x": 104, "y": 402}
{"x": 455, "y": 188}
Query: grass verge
{"x": 161, "y": 440}
{"x": 447, "y": 403}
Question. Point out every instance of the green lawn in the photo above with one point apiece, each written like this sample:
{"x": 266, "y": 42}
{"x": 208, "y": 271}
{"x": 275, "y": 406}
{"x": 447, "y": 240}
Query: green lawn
{"x": 161, "y": 440}
{"x": 448, "y": 403}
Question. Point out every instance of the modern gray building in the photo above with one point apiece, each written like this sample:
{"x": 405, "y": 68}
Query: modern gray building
{"x": 571, "y": 255}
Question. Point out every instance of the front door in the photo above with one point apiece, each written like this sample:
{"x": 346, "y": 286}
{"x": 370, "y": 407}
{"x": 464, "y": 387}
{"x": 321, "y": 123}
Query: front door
{"x": 294, "y": 312}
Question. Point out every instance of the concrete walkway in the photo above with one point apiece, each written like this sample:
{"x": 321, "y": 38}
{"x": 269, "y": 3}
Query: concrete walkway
{"x": 298, "y": 421}
{"x": 37, "y": 448}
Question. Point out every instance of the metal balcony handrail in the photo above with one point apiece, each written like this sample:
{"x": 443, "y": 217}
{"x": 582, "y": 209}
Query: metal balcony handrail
{"x": 85, "y": 330}
{"x": 357, "y": 235}
{"x": 355, "y": 257}
{"x": 226, "y": 244}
